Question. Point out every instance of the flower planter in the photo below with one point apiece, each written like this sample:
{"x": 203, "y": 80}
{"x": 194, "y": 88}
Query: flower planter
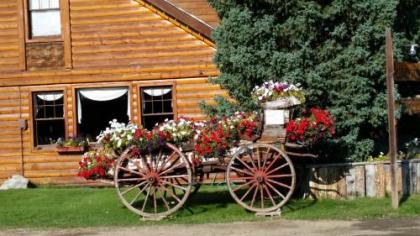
{"x": 71, "y": 150}
{"x": 281, "y": 103}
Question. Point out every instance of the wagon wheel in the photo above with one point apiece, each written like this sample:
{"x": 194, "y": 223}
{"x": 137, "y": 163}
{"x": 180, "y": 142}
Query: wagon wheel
{"x": 153, "y": 185}
{"x": 261, "y": 178}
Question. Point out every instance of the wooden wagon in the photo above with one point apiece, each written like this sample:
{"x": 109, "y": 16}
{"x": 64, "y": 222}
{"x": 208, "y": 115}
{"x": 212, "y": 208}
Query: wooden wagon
{"x": 260, "y": 176}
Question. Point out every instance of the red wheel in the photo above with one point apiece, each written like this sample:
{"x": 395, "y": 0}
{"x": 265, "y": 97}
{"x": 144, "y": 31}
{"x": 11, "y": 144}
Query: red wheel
{"x": 153, "y": 185}
{"x": 261, "y": 178}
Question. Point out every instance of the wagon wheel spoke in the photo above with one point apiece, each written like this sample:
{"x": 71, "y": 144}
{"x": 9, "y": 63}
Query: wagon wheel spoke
{"x": 251, "y": 155}
{"x": 165, "y": 160}
{"x": 269, "y": 195}
{"x": 146, "y": 198}
{"x": 146, "y": 164}
{"x": 279, "y": 184}
{"x": 132, "y": 171}
{"x": 247, "y": 192}
{"x": 273, "y": 161}
{"x": 272, "y": 181}
{"x": 174, "y": 185}
{"x": 254, "y": 196}
{"x": 277, "y": 168}
{"x": 242, "y": 185}
{"x": 138, "y": 194}
{"x": 280, "y": 176}
{"x": 171, "y": 168}
{"x": 275, "y": 190}
{"x": 132, "y": 188}
{"x": 243, "y": 163}
{"x": 154, "y": 200}
{"x": 163, "y": 168}
{"x": 175, "y": 176}
{"x": 159, "y": 193}
{"x": 262, "y": 196}
{"x": 157, "y": 160}
{"x": 172, "y": 194}
{"x": 164, "y": 199}
{"x": 242, "y": 171}
{"x": 266, "y": 157}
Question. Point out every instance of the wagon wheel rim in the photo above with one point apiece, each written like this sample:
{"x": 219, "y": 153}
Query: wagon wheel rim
{"x": 261, "y": 178}
{"x": 153, "y": 185}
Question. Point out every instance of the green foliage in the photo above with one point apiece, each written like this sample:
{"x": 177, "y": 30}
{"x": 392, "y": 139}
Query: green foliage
{"x": 334, "y": 48}
{"x": 222, "y": 107}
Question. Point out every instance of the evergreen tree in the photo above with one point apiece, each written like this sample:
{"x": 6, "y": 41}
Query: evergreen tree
{"x": 334, "y": 48}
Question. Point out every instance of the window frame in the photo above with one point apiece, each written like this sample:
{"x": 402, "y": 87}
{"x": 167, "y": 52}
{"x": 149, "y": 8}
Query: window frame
{"x": 64, "y": 17}
{"x": 32, "y": 93}
{"x": 75, "y": 95}
{"x": 156, "y": 85}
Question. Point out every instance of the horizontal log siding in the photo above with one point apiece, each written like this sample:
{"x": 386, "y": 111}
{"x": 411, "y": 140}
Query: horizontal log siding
{"x": 46, "y": 165}
{"x": 10, "y": 44}
{"x": 190, "y": 92}
{"x": 112, "y": 33}
{"x": 10, "y": 151}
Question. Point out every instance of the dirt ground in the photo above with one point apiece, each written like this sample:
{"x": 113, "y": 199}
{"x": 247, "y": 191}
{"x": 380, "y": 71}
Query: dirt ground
{"x": 396, "y": 227}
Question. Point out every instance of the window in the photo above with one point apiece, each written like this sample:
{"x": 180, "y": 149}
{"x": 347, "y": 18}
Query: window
{"x": 156, "y": 105}
{"x": 44, "y": 18}
{"x": 48, "y": 116}
{"x": 97, "y": 106}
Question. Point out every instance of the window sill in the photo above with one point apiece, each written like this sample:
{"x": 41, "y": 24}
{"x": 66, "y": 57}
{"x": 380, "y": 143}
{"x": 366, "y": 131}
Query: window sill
{"x": 71, "y": 150}
{"x": 45, "y": 39}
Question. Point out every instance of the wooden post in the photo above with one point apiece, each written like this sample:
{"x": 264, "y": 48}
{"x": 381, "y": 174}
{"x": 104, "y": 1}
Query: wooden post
{"x": 391, "y": 117}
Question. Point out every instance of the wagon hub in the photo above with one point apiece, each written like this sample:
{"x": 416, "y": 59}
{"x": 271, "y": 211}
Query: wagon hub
{"x": 260, "y": 177}
{"x": 153, "y": 178}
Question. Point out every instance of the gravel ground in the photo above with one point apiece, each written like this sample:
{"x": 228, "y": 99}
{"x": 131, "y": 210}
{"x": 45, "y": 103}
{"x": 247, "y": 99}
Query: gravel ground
{"x": 395, "y": 227}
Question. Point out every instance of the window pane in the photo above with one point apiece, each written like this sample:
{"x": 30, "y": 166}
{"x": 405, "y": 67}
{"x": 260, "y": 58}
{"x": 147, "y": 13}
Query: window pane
{"x": 45, "y": 23}
{"x": 96, "y": 114}
{"x": 48, "y": 131}
{"x": 147, "y": 108}
{"x": 34, "y": 4}
{"x": 157, "y": 106}
{"x": 167, "y": 107}
{"x": 43, "y": 4}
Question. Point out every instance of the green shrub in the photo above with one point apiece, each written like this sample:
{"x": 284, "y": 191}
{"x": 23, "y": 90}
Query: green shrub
{"x": 334, "y": 48}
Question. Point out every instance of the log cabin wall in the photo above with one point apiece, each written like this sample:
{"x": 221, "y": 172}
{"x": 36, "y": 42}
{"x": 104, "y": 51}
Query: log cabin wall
{"x": 113, "y": 43}
{"x": 11, "y": 36}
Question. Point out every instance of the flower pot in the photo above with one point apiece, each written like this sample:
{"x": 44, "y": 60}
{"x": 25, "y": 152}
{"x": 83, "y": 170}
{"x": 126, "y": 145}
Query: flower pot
{"x": 71, "y": 150}
{"x": 281, "y": 103}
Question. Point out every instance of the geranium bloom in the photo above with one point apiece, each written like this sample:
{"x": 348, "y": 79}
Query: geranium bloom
{"x": 309, "y": 130}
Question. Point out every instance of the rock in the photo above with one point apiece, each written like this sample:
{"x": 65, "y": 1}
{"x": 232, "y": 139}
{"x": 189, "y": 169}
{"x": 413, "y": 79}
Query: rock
{"x": 15, "y": 182}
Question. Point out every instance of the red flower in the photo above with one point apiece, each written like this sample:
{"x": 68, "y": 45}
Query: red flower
{"x": 318, "y": 125}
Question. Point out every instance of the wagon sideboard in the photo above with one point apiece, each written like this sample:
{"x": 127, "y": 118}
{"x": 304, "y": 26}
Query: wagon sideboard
{"x": 141, "y": 62}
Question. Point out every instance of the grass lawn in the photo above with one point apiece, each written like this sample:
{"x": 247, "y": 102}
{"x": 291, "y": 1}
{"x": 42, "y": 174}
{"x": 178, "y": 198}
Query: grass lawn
{"x": 90, "y": 207}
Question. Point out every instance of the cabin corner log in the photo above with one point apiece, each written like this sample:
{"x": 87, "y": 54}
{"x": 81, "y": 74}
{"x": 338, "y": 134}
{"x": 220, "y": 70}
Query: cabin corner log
{"x": 363, "y": 179}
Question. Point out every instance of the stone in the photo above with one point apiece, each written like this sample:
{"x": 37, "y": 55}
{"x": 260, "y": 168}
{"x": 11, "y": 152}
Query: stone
{"x": 15, "y": 182}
